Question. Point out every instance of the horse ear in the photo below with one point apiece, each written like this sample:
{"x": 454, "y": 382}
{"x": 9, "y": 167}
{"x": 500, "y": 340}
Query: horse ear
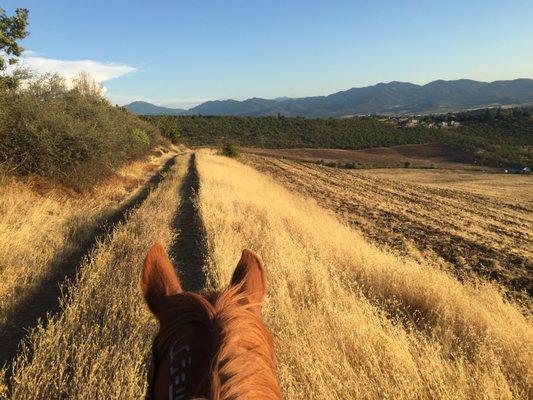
{"x": 158, "y": 280}
{"x": 250, "y": 274}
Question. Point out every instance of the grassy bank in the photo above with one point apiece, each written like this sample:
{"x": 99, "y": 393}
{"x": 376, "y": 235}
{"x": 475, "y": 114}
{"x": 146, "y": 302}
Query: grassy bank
{"x": 99, "y": 345}
{"x": 351, "y": 321}
{"x": 44, "y": 232}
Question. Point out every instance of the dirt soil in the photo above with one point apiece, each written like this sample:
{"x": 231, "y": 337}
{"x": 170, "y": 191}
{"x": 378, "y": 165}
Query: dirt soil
{"x": 472, "y": 223}
{"x": 419, "y": 155}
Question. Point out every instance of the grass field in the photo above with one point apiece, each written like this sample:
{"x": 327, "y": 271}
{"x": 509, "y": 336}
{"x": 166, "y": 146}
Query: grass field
{"x": 354, "y": 315}
{"x": 467, "y": 222}
{"x": 353, "y": 321}
{"x": 44, "y": 230}
{"x": 99, "y": 345}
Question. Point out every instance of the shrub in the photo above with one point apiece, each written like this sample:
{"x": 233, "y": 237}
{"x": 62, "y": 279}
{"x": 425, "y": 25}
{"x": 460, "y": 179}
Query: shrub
{"x": 407, "y": 164}
{"x": 69, "y": 135}
{"x": 230, "y": 150}
{"x": 141, "y": 140}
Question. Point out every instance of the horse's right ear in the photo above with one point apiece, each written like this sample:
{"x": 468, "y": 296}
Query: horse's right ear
{"x": 158, "y": 280}
{"x": 250, "y": 275}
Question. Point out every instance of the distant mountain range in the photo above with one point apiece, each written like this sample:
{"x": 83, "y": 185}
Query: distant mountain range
{"x": 384, "y": 98}
{"x": 144, "y": 108}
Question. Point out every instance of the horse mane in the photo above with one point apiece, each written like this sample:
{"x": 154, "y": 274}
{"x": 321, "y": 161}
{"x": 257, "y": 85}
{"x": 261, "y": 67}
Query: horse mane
{"x": 241, "y": 346}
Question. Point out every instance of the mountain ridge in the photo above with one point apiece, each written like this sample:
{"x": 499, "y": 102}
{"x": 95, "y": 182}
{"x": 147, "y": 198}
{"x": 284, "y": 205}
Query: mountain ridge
{"x": 392, "y": 98}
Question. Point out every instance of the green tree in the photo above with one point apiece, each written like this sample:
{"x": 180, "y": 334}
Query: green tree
{"x": 12, "y": 29}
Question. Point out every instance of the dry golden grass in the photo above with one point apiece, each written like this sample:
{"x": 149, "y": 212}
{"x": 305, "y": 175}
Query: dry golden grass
{"x": 99, "y": 346}
{"x": 469, "y": 223}
{"x": 350, "y": 320}
{"x": 38, "y": 229}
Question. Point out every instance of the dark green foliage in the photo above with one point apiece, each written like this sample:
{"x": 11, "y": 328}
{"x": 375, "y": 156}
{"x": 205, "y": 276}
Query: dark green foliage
{"x": 273, "y": 132}
{"x": 71, "y": 136}
{"x": 230, "y": 150}
{"x": 504, "y": 138}
{"x": 170, "y": 126}
{"x": 12, "y": 29}
{"x": 407, "y": 164}
{"x": 497, "y": 137}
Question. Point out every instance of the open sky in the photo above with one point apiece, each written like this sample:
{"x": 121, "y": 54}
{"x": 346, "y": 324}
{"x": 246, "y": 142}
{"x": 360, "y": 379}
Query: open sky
{"x": 182, "y": 52}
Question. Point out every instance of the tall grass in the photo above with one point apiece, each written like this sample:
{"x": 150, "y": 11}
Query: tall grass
{"x": 36, "y": 227}
{"x": 99, "y": 346}
{"x": 350, "y": 320}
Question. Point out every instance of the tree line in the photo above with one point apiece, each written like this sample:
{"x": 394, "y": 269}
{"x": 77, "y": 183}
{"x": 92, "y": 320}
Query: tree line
{"x": 503, "y": 139}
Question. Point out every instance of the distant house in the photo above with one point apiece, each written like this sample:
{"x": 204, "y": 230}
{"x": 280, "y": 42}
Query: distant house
{"x": 517, "y": 170}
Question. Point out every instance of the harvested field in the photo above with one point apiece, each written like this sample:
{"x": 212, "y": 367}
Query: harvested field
{"x": 469, "y": 223}
{"x": 419, "y": 155}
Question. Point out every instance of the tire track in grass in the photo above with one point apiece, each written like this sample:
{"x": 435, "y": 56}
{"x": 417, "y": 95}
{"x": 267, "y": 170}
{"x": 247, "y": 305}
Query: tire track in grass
{"x": 98, "y": 346}
{"x": 45, "y": 298}
{"x": 189, "y": 248}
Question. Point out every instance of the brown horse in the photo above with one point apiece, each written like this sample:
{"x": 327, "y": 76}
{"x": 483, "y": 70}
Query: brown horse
{"x": 209, "y": 345}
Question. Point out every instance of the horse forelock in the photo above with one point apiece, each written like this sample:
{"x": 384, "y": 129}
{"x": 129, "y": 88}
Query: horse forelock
{"x": 240, "y": 346}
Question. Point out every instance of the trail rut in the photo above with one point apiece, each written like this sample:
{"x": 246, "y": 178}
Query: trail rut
{"x": 188, "y": 249}
{"x": 45, "y": 298}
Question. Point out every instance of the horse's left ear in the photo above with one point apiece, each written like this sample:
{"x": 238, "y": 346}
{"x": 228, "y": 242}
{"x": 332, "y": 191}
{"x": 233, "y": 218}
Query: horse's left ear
{"x": 250, "y": 274}
{"x": 158, "y": 280}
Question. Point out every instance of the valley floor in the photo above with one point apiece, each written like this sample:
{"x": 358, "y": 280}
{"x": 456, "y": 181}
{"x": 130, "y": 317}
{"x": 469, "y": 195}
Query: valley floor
{"x": 429, "y": 155}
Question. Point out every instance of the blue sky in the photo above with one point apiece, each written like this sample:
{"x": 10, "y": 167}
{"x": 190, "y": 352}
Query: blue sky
{"x": 180, "y": 53}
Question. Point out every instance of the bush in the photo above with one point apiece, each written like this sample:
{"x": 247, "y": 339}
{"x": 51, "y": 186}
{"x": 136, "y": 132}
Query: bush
{"x": 69, "y": 135}
{"x": 141, "y": 140}
{"x": 230, "y": 150}
{"x": 407, "y": 164}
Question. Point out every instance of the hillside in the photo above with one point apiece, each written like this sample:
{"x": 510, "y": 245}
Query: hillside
{"x": 489, "y": 137}
{"x": 350, "y": 317}
{"x": 384, "y": 98}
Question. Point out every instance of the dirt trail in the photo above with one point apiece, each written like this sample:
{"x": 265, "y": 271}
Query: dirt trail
{"x": 44, "y": 299}
{"x": 468, "y": 233}
{"x": 189, "y": 250}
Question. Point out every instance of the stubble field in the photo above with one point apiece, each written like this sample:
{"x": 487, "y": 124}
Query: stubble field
{"x": 473, "y": 224}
